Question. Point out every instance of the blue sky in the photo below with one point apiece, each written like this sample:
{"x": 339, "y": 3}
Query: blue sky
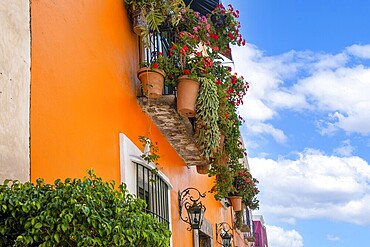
{"x": 308, "y": 117}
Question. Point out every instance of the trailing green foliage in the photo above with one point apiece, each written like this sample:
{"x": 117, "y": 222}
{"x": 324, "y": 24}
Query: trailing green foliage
{"x": 207, "y": 135}
{"x": 76, "y": 212}
{"x": 238, "y": 219}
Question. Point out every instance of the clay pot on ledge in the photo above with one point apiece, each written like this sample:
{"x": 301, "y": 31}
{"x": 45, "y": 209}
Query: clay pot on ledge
{"x": 187, "y": 93}
{"x": 236, "y": 202}
{"x": 203, "y": 169}
{"x": 152, "y": 81}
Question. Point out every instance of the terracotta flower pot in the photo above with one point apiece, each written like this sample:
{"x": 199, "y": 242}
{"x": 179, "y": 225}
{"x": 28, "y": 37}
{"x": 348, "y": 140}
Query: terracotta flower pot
{"x": 187, "y": 93}
{"x": 152, "y": 81}
{"x": 203, "y": 169}
{"x": 236, "y": 202}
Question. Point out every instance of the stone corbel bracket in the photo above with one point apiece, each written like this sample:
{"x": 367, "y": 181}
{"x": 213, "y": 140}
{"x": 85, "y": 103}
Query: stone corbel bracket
{"x": 177, "y": 129}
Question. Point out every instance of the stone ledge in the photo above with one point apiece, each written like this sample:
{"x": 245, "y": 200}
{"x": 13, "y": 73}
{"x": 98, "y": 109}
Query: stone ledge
{"x": 177, "y": 129}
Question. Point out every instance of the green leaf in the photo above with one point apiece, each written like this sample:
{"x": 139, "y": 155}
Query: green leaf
{"x": 64, "y": 228}
{"x": 38, "y": 225}
{"x": 56, "y": 237}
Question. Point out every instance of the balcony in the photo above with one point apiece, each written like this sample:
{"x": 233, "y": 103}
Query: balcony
{"x": 250, "y": 237}
{"x": 177, "y": 129}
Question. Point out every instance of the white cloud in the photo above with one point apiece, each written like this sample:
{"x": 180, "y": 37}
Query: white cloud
{"x": 361, "y": 51}
{"x": 335, "y": 87}
{"x": 258, "y": 128}
{"x": 345, "y": 149}
{"x": 279, "y": 237}
{"x": 328, "y": 61}
{"x": 290, "y": 220}
{"x": 315, "y": 186}
{"x": 344, "y": 93}
{"x": 332, "y": 237}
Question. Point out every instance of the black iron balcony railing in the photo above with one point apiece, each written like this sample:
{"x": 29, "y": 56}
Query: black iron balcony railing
{"x": 159, "y": 42}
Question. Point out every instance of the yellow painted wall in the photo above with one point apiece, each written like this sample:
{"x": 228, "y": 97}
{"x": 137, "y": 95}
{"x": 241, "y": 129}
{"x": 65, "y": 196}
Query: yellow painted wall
{"x": 83, "y": 84}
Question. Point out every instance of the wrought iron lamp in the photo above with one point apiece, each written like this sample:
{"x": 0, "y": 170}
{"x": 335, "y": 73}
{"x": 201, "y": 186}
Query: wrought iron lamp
{"x": 222, "y": 230}
{"x": 189, "y": 199}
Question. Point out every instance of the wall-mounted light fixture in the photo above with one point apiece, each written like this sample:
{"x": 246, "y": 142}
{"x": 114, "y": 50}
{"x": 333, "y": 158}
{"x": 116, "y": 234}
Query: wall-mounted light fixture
{"x": 189, "y": 199}
{"x": 223, "y": 231}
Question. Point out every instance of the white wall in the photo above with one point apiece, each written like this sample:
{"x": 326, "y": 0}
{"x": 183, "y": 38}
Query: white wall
{"x": 14, "y": 89}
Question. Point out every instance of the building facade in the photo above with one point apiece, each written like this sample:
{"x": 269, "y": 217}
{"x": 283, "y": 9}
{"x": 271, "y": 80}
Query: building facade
{"x": 260, "y": 231}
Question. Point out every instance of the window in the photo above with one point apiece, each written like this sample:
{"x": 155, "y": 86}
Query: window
{"x": 154, "y": 191}
{"x": 153, "y": 187}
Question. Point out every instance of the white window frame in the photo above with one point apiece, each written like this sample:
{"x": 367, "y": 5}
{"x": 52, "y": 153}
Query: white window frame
{"x": 131, "y": 154}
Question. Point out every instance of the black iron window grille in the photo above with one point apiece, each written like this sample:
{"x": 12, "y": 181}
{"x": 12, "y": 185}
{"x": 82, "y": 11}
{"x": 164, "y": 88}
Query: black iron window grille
{"x": 154, "y": 191}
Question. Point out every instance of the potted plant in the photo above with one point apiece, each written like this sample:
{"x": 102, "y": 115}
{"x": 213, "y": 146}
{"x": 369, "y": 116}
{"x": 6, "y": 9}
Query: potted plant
{"x": 246, "y": 187}
{"x": 186, "y": 69}
{"x": 149, "y": 15}
{"x": 152, "y": 75}
{"x": 225, "y": 29}
{"x": 223, "y": 185}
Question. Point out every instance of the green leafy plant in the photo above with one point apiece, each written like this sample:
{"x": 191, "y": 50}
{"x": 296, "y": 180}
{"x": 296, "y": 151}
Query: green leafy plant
{"x": 160, "y": 62}
{"x": 238, "y": 221}
{"x": 151, "y": 155}
{"x": 154, "y": 13}
{"x": 223, "y": 185}
{"x": 225, "y": 29}
{"x": 246, "y": 187}
{"x": 188, "y": 58}
{"x": 76, "y": 212}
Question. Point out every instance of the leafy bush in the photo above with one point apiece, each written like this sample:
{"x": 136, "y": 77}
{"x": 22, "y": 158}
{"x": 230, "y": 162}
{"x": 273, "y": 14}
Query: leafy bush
{"x": 76, "y": 212}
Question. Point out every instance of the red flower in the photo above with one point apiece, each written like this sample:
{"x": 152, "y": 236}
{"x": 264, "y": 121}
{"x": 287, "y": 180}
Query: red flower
{"x": 173, "y": 47}
{"x": 218, "y": 82}
{"x": 213, "y": 36}
{"x": 155, "y": 65}
{"x": 170, "y": 76}
{"x": 233, "y": 80}
{"x": 186, "y": 71}
{"x": 230, "y": 90}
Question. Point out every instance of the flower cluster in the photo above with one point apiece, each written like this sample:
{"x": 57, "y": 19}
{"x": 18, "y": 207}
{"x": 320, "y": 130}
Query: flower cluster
{"x": 225, "y": 29}
{"x": 246, "y": 187}
{"x": 188, "y": 57}
{"x": 158, "y": 61}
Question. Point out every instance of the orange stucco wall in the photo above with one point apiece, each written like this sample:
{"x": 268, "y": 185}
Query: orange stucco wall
{"x": 83, "y": 94}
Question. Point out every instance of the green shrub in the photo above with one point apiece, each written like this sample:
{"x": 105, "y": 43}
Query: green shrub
{"x": 76, "y": 212}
